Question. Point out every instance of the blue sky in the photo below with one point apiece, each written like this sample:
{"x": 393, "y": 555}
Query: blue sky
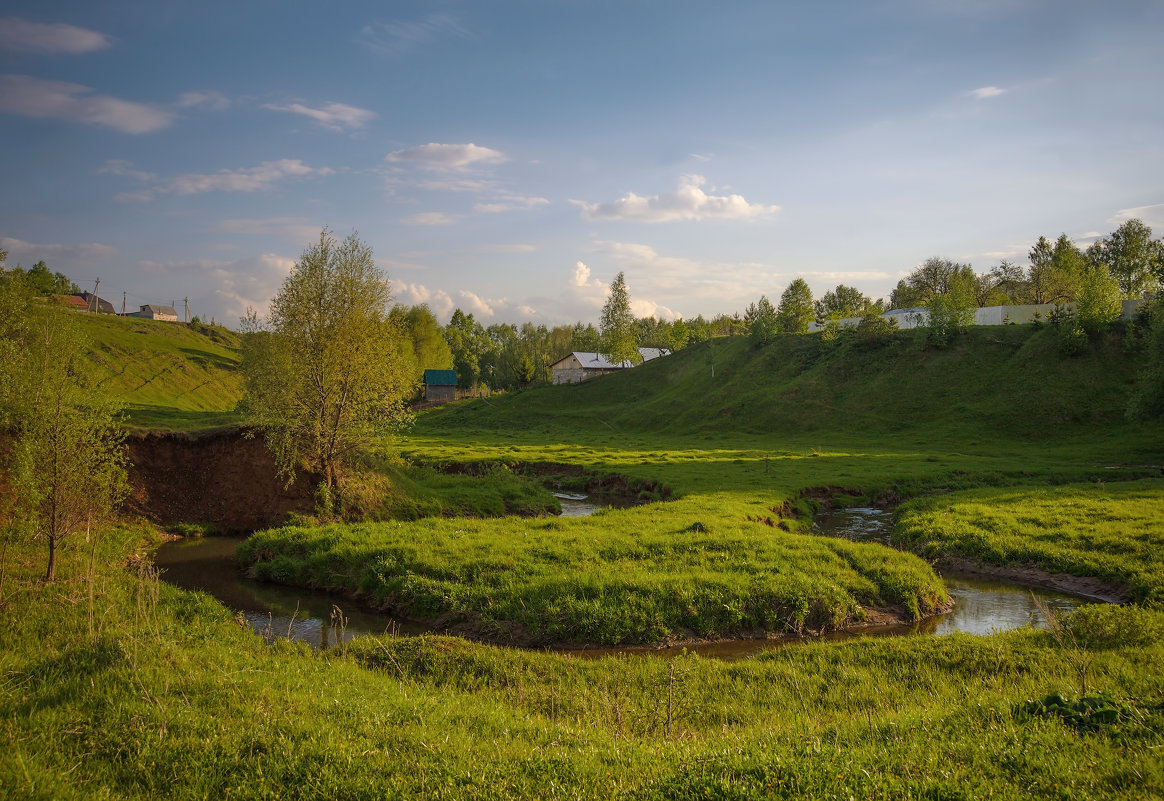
{"x": 511, "y": 157}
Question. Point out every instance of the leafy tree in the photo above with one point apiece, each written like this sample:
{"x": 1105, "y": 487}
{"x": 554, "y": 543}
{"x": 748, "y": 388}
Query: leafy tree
{"x": 1131, "y": 256}
{"x": 1055, "y": 271}
{"x": 67, "y": 463}
{"x": 428, "y": 340}
{"x": 466, "y": 340}
{"x": 949, "y": 314}
{"x": 525, "y": 371}
{"x": 43, "y": 282}
{"x": 761, "y": 320}
{"x": 617, "y": 325}
{"x": 679, "y": 335}
{"x": 796, "y": 309}
{"x": 1009, "y": 283}
{"x": 841, "y": 303}
{"x": 324, "y": 380}
{"x": 585, "y": 338}
{"x": 1147, "y": 399}
{"x": 936, "y": 276}
{"x": 1099, "y": 299}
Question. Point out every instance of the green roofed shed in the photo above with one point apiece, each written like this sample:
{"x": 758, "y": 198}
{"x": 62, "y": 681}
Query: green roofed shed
{"x": 440, "y": 386}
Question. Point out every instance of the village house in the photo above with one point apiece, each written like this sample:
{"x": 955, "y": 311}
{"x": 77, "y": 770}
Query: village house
{"x": 96, "y": 304}
{"x": 440, "y": 386}
{"x": 581, "y": 366}
{"x": 153, "y": 312}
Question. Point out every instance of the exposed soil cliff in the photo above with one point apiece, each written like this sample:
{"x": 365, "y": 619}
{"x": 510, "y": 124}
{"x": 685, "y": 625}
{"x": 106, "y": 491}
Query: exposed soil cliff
{"x": 220, "y": 478}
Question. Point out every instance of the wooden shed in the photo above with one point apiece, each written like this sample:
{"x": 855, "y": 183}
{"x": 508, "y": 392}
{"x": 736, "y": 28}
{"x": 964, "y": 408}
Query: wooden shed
{"x": 440, "y": 386}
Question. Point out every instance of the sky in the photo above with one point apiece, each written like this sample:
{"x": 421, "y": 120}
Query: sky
{"x": 510, "y": 157}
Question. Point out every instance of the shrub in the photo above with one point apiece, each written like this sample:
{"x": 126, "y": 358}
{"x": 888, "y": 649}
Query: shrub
{"x": 950, "y": 314}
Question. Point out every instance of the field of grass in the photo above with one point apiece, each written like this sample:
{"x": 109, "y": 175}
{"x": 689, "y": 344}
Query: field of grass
{"x": 169, "y": 376}
{"x": 117, "y": 686}
{"x": 1112, "y": 531}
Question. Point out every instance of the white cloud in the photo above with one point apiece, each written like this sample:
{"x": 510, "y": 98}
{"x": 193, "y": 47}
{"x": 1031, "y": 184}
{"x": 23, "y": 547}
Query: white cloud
{"x": 648, "y": 308}
{"x": 436, "y": 156}
{"x": 215, "y": 101}
{"x": 57, "y": 256}
{"x": 35, "y": 97}
{"x": 1152, "y": 216}
{"x": 458, "y": 186}
{"x": 125, "y": 168}
{"x": 296, "y": 229}
{"x": 25, "y": 36}
{"x": 689, "y": 202}
{"x": 401, "y": 37}
{"x": 581, "y": 276}
{"x": 333, "y": 116}
{"x": 514, "y": 248}
{"x": 985, "y": 92}
{"x": 475, "y": 304}
{"x": 437, "y": 300}
{"x": 244, "y": 179}
{"x": 429, "y": 218}
{"x": 510, "y": 203}
{"x": 237, "y": 285}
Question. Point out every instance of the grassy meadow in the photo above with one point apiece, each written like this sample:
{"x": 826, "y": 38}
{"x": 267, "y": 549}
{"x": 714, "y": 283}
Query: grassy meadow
{"x": 117, "y": 685}
{"x": 168, "y": 376}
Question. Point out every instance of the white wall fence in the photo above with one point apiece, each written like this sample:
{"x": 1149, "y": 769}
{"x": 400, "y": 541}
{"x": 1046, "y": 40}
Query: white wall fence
{"x": 989, "y": 315}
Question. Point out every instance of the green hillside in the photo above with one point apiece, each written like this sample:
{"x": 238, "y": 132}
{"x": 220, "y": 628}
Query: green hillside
{"x": 168, "y": 375}
{"x": 1001, "y": 382}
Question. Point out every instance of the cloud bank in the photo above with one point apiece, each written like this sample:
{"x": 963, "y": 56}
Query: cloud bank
{"x": 333, "y": 116}
{"x": 24, "y": 36}
{"x": 436, "y": 156}
{"x": 688, "y": 202}
{"x": 43, "y": 99}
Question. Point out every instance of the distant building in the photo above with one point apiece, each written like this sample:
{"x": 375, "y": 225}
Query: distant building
{"x": 440, "y": 386}
{"x": 71, "y": 302}
{"x": 581, "y": 366}
{"x": 94, "y": 303}
{"x": 152, "y": 312}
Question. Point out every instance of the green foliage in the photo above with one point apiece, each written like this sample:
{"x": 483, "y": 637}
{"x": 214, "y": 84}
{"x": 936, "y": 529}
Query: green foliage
{"x": 65, "y": 465}
{"x": 875, "y": 328}
{"x": 1099, "y": 299}
{"x": 950, "y": 314}
{"x": 841, "y": 303}
{"x": 796, "y": 309}
{"x": 323, "y": 381}
{"x": 933, "y": 278}
{"x": 761, "y": 321}
{"x": 617, "y": 325}
{"x": 1091, "y": 713}
{"x": 1100, "y": 626}
{"x": 1147, "y": 399}
{"x": 1132, "y": 257}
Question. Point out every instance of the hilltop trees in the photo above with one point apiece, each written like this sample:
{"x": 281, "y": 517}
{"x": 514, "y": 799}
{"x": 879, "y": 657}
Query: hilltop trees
{"x": 796, "y": 309}
{"x": 761, "y": 320}
{"x": 617, "y": 325}
{"x": 1134, "y": 259}
{"x": 66, "y": 464}
{"x": 322, "y": 378}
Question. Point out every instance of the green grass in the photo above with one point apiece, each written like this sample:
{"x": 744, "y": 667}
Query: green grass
{"x": 643, "y": 575}
{"x": 167, "y": 695}
{"x": 1111, "y": 531}
{"x": 164, "y": 694}
{"x": 169, "y": 376}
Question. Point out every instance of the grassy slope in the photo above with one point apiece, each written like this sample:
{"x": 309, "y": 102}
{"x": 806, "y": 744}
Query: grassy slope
{"x": 168, "y": 375}
{"x": 735, "y": 449}
{"x": 167, "y": 695}
{"x": 115, "y": 686}
{"x": 1112, "y": 531}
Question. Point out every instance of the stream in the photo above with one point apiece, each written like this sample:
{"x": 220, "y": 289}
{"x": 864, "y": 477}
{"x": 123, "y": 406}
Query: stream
{"x": 272, "y": 610}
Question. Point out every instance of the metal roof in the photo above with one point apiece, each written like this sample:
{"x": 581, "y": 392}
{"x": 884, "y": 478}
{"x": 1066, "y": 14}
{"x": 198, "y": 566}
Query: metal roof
{"x": 440, "y": 378}
{"x": 596, "y": 361}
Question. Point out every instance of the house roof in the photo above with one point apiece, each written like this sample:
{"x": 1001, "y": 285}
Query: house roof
{"x": 440, "y": 378}
{"x": 160, "y": 309}
{"x": 596, "y": 361}
{"x": 72, "y": 301}
{"x": 92, "y": 300}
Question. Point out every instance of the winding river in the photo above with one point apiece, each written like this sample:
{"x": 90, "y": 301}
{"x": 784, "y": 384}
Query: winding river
{"x": 208, "y": 565}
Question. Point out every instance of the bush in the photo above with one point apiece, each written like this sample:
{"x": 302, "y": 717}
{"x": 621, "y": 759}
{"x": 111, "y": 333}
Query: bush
{"x": 950, "y": 314}
{"x": 874, "y": 328}
{"x": 1100, "y": 626}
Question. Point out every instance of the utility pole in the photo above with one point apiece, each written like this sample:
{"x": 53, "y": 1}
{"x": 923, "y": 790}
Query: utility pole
{"x": 123, "y": 303}
{"x": 187, "y": 302}
{"x": 96, "y": 296}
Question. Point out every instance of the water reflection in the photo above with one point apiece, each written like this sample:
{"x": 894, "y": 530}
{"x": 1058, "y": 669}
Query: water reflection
{"x": 272, "y": 610}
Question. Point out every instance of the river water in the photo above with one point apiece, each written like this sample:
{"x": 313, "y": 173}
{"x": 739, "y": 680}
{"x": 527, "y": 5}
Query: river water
{"x": 208, "y": 565}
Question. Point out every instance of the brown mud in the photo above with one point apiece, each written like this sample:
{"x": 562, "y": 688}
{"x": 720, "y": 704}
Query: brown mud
{"x": 221, "y": 478}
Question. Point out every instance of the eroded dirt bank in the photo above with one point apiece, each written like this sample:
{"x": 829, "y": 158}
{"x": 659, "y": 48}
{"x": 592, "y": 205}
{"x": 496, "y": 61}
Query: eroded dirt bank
{"x": 220, "y": 478}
